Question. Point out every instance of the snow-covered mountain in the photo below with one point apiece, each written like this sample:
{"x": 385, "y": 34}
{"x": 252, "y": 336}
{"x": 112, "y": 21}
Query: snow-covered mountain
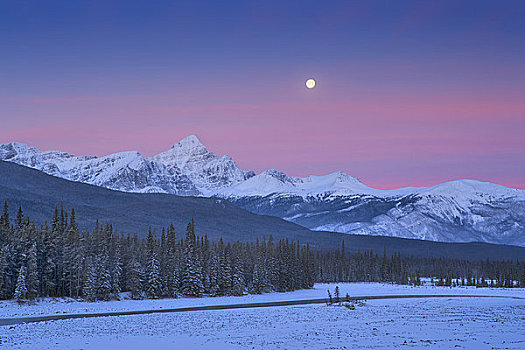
{"x": 188, "y": 168}
{"x": 456, "y": 211}
{"x": 207, "y": 172}
{"x": 125, "y": 171}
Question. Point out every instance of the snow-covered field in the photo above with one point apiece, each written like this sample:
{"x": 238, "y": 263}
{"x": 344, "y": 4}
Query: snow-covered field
{"x": 477, "y": 323}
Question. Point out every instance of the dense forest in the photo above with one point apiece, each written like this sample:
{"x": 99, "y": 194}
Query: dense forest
{"x": 60, "y": 260}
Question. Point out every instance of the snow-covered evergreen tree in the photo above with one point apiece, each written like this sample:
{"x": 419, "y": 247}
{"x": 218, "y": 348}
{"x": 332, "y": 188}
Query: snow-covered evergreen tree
{"x": 238, "y": 282}
{"x": 103, "y": 277}
{"x": 33, "y": 280}
{"x": 152, "y": 278}
{"x": 192, "y": 277}
{"x": 89, "y": 290}
{"x": 21, "y": 287}
{"x": 104, "y": 284}
{"x": 213, "y": 274}
{"x": 257, "y": 279}
{"x": 136, "y": 280}
{"x": 4, "y": 225}
{"x": 3, "y": 273}
{"x": 153, "y": 286}
{"x": 116, "y": 272}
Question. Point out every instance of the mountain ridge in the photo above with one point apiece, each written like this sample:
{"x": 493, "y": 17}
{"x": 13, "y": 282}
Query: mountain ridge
{"x": 38, "y": 194}
{"x": 454, "y": 211}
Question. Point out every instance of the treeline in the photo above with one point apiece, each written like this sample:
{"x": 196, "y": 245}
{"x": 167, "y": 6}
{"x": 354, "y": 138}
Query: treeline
{"x": 59, "y": 260}
{"x": 368, "y": 266}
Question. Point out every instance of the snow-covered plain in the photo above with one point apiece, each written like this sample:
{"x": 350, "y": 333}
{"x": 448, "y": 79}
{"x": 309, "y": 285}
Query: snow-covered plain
{"x": 477, "y": 323}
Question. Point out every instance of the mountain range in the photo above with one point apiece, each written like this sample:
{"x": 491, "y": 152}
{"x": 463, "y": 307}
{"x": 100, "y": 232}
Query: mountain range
{"x": 39, "y": 194}
{"x": 456, "y": 211}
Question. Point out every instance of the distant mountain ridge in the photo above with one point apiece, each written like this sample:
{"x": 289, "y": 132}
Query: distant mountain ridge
{"x": 456, "y": 211}
{"x": 38, "y": 194}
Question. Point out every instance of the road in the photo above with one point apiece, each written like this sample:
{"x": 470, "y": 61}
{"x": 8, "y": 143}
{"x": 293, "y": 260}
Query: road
{"x": 27, "y": 319}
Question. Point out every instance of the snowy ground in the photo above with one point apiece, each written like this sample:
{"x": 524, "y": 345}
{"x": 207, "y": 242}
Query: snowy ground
{"x": 379, "y": 324}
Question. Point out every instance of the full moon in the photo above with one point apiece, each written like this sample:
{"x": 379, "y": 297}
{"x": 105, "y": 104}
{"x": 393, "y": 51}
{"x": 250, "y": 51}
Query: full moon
{"x": 310, "y": 83}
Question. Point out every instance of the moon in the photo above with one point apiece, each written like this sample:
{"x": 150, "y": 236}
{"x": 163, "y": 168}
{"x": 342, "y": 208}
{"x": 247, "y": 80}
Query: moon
{"x": 310, "y": 83}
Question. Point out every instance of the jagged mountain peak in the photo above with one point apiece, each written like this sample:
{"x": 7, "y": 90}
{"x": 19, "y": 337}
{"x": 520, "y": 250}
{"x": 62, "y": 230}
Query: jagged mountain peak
{"x": 188, "y": 152}
{"x": 191, "y": 142}
{"x": 277, "y": 174}
{"x": 206, "y": 170}
{"x": 10, "y": 150}
{"x": 19, "y": 145}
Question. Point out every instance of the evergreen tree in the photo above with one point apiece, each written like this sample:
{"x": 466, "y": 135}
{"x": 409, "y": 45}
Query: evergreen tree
{"x": 213, "y": 273}
{"x": 21, "y": 288}
{"x": 89, "y": 289}
{"x": 19, "y": 217}
{"x": 103, "y": 277}
{"x": 238, "y": 283}
{"x": 116, "y": 272}
{"x": 3, "y": 273}
{"x": 192, "y": 278}
{"x": 257, "y": 280}
{"x": 4, "y": 225}
{"x": 32, "y": 273}
{"x": 171, "y": 269}
{"x": 104, "y": 284}
{"x": 49, "y": 271}
{"x": 153, "y": 282}
{"x": 136, "y": 280}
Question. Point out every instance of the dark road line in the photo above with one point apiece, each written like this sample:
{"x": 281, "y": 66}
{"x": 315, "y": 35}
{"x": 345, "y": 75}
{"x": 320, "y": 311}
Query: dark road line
{"x": 28, "y": 319}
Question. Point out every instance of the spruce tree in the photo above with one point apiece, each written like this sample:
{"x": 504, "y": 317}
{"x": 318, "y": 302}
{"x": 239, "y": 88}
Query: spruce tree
{"x": 337, "y": 294}
{"x": 171, "y": 268}
{"x": 103, "y": 277}
{"x": 21, "y": 288}
{"x": 192, "y": 278}
{"x": 213, "y": 273}
{"x": 104, "y": 284}
{"x": 136, "y": 280}
{"x": 3, "y": 273}
{"x": 33, "y": 281}
{"x": 4, "y": 225}
{"x": 89, "y": 289}
{"x": 19, "y": 217}
{"x": 153, "y": 282}
{"x": 116, "y": 272}
{"x": 257, "y": 283}
{"x": 238, "y": 283}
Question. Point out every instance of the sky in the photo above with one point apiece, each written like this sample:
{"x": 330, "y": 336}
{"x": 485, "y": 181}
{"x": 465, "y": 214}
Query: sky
{"x": 409, "y": 93}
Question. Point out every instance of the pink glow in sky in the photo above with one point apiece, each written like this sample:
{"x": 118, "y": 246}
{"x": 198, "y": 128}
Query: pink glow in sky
{"x": 388, "y": 140}
{"x": 408, "y": 93}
